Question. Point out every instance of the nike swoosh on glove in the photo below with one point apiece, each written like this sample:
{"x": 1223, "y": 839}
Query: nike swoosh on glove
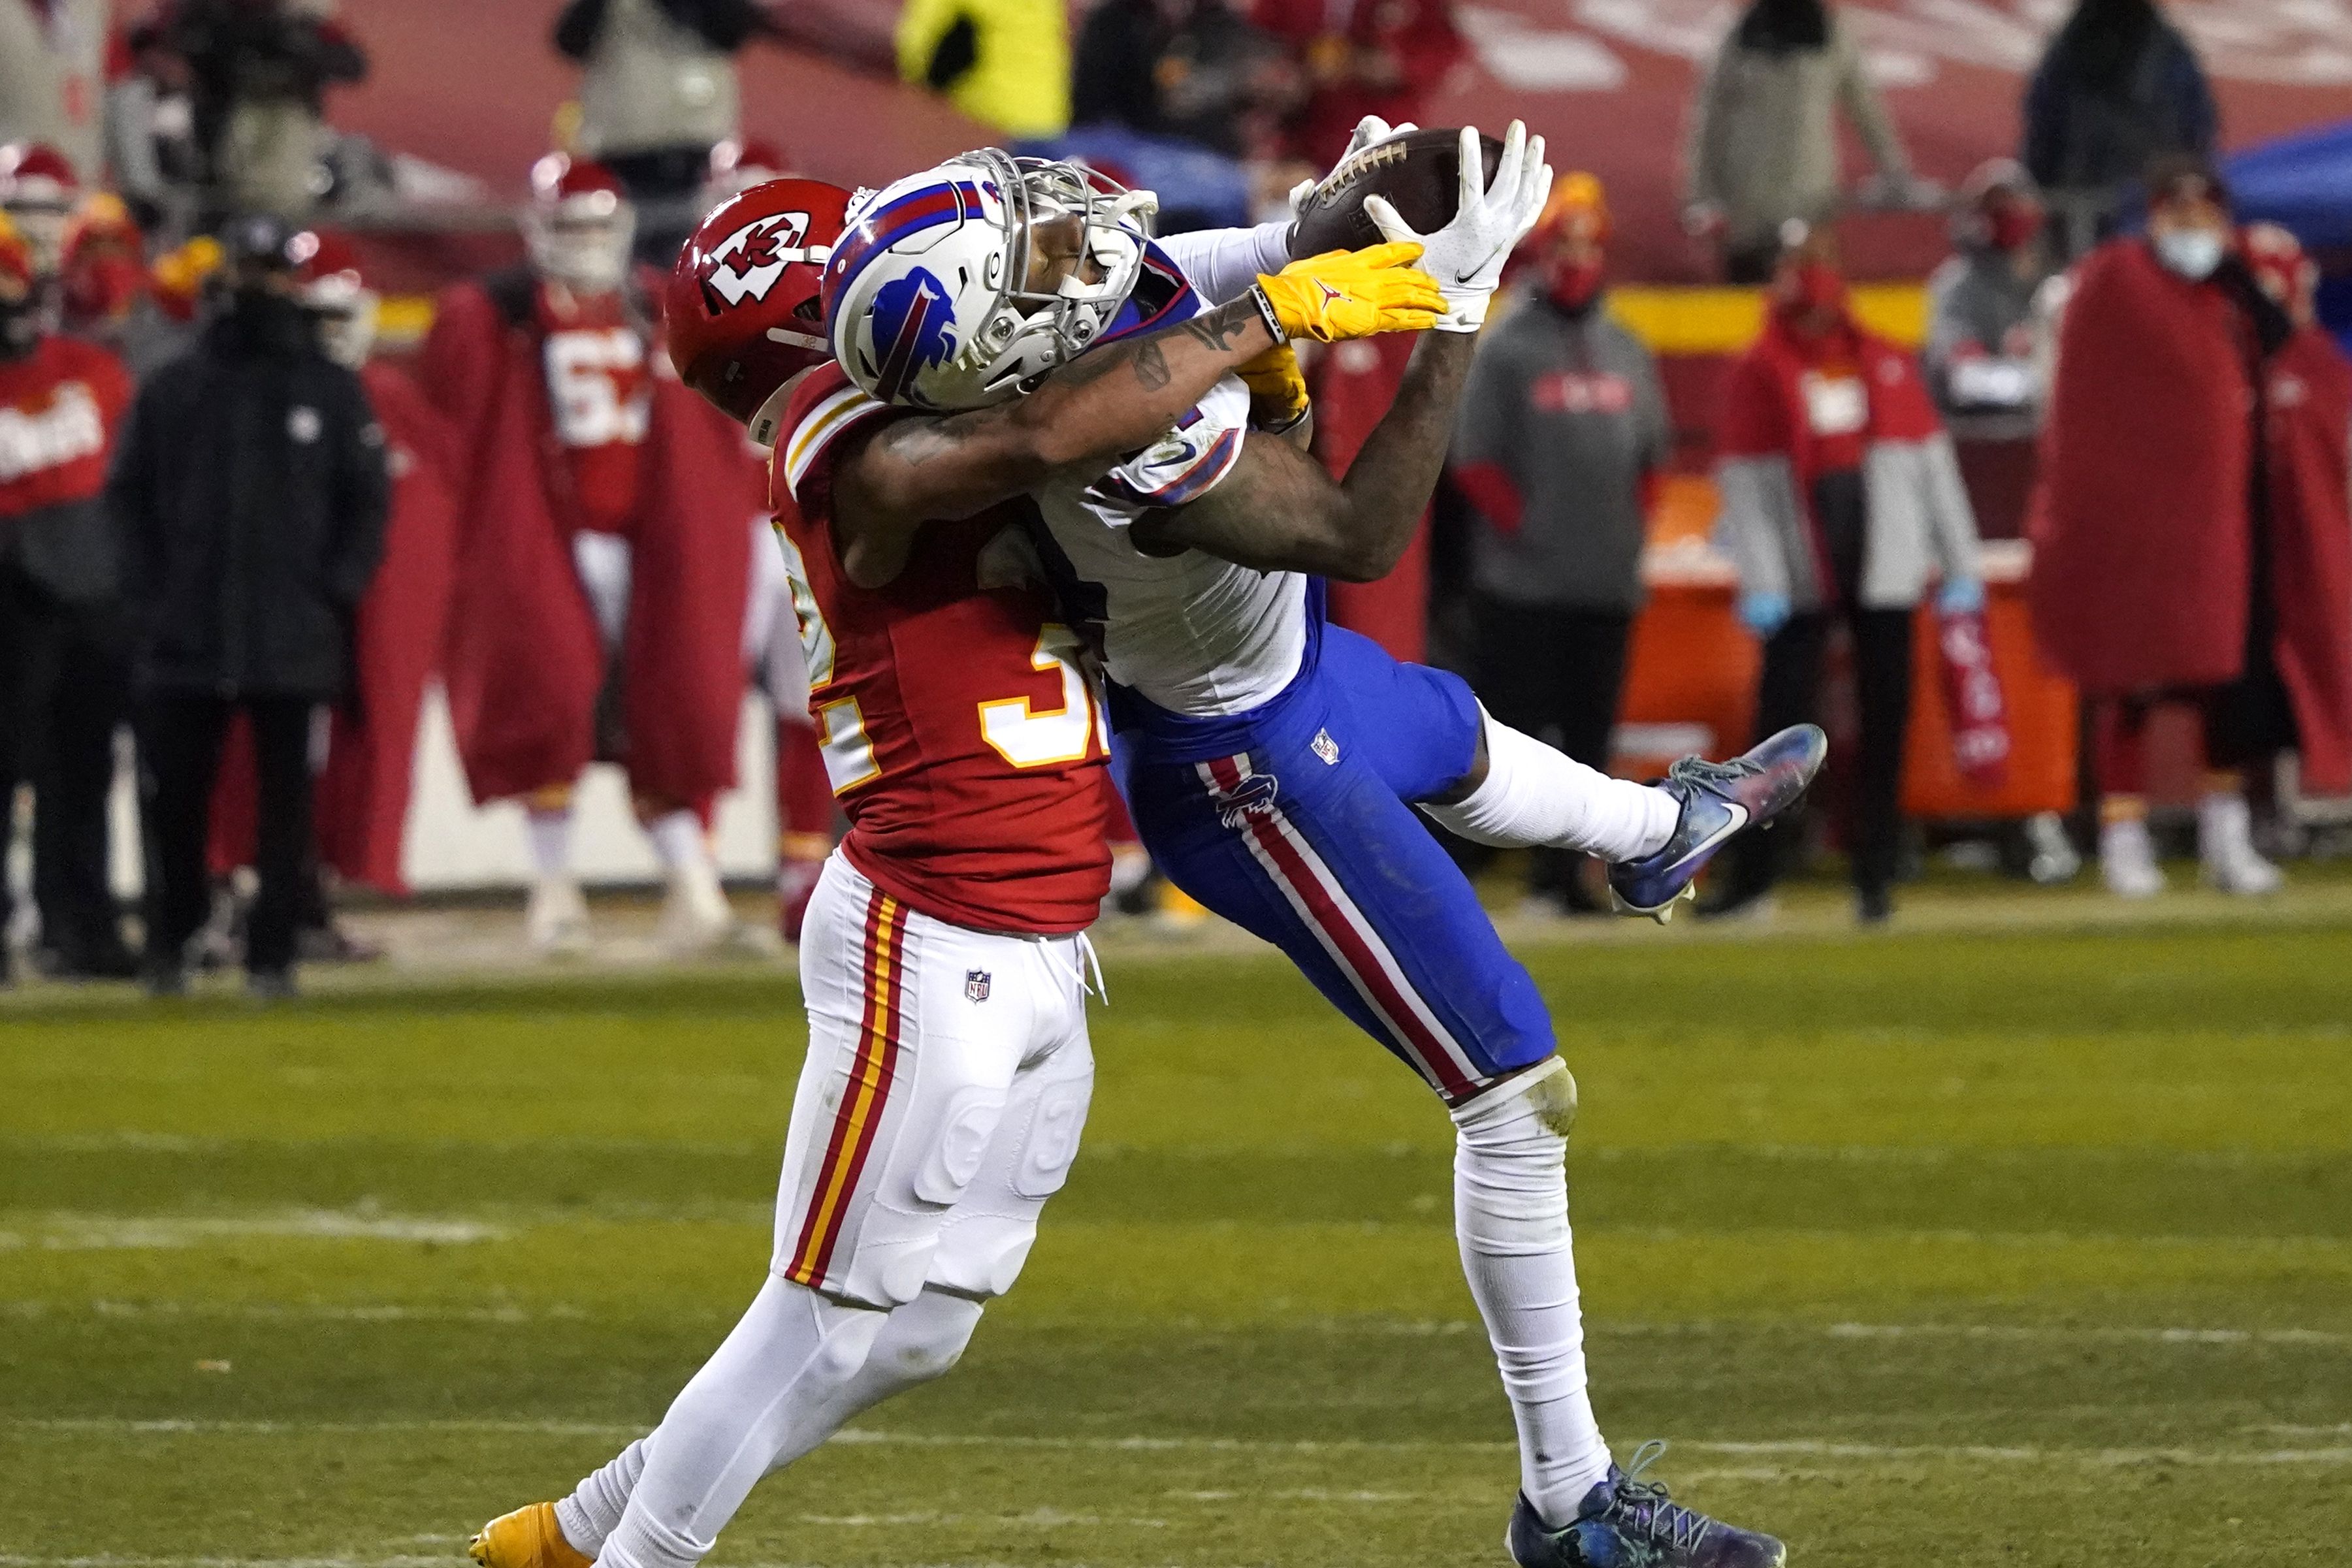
{"x": 1344, "y": 294}
{"x": 1466, "y": 256}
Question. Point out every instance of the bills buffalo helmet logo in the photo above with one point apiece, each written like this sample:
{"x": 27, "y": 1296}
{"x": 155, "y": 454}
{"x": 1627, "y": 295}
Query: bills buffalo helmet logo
{"x": 746, "y": 263}
{"x": 913, "y": 330}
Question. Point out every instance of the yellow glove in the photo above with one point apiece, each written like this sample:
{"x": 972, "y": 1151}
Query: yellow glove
{"x": 1344, "y": 294}
{"x": 1277, "y": 389}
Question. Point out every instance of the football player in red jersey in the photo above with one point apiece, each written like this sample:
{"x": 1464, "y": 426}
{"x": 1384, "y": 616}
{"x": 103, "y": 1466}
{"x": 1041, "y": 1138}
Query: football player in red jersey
{"x": 62, "y": 404}
{"x": 943, "y": 959}
{"x": 602, "y": 562}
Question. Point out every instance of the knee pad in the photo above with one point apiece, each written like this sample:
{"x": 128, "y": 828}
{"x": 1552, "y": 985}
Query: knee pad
{"x": 923, "y": 1340}
{"x": 987, "y": 1236}
{"x": 1547, "y": 1091}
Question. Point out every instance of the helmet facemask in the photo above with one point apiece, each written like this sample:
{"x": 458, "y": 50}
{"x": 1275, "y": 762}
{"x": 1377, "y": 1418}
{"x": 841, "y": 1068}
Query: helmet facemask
{"x": 582, "y": 241}
{"x": 1034, "y": 329}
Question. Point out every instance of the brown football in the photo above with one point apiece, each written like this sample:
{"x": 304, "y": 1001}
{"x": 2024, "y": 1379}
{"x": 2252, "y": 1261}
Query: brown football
{"x": 1419, "y": 173}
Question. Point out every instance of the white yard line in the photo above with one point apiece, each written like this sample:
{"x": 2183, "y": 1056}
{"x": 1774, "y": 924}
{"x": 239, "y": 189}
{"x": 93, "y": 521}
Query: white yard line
{"x": 1801, "y": 1448}
{"x": 89, "y": 1232}
{"x": 2183, "y": 1336}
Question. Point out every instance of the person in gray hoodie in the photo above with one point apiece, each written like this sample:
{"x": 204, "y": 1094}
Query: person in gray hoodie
{"x": 1763, "y": 147}
{"x": 1563, "y": 427}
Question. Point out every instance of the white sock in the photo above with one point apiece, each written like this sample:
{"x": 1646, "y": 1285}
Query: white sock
{"x": 679, "y": 841}
{"x": 793, "y": 1371}
{"x": 2225, "y": 825}
{"x": 1510, "y": 1217}
{"x": 551, "y": 842}
{"x": 1534, "y": 795}
{"x": 918, "y": 1341}
{"x": 594, "y": 1509}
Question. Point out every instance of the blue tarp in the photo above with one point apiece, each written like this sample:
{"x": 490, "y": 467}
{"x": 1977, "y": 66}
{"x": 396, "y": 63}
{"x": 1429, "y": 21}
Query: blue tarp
{"x": 2303, "y": 181}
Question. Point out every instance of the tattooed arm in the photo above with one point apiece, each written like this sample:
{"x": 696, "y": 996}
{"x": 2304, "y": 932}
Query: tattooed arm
{"x": 1083, "y": 417}
{"x": 1279, "y": 511}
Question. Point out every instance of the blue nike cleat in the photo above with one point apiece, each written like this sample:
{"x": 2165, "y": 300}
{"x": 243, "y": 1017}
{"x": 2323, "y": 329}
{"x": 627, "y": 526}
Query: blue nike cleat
{"x": 1720, "y": 800}
{"x": 1628, "y": 1522}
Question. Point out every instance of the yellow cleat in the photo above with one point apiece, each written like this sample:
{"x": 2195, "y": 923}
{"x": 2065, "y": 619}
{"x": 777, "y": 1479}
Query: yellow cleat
{"x": 527, "y": 1537}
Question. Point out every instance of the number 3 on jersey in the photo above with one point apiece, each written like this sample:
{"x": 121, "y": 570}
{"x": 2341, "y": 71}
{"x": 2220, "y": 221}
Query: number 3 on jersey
{"x": 1015, "y": 728}
{"x": 1028, "y": 739}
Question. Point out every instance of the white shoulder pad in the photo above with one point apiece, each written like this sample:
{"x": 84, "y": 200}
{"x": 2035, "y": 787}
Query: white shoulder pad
{"x": 1184, "y": 464}
{"x": 805, "y": 439}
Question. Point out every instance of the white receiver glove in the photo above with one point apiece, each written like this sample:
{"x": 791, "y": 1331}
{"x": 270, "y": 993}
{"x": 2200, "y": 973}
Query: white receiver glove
{"x": 1466, "y": 256}
{"x": 1368, "y": 129}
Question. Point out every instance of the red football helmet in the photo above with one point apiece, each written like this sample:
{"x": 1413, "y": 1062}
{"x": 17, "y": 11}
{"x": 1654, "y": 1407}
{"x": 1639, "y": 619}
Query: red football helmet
{"x": 744, "y": 309}
{"x": 335, "y": 290}
{"x": 738, "y": 163}
{"x": 580, "y": 224}
{"x": 39, "y": 190}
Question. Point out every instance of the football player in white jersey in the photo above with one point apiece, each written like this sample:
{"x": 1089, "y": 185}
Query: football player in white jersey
{"x": 1274, "y": 763}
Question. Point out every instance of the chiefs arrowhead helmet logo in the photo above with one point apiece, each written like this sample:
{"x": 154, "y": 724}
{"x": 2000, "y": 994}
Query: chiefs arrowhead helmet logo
{"x": 746, "y": 263}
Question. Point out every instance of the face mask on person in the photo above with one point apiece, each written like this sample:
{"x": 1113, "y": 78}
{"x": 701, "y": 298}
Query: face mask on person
{"x": 1816, "y": 286}
{"x": 1572, "y": 285}
{"x": 2192, "y": 253}
{"x": 2012, "y": 228}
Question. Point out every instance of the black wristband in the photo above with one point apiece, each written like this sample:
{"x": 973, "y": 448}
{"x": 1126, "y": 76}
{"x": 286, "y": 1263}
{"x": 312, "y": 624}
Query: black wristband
{"x": 1266, "y": 313}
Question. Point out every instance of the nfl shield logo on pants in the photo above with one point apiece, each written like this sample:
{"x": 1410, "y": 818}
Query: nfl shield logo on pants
{"x": 975, "y": 984}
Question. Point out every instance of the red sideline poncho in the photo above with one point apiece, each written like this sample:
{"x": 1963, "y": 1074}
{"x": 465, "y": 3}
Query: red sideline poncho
{"x": 2141, "y": 543}
{"x": 524, "y": 662}
{"x": 2310, "y": 427}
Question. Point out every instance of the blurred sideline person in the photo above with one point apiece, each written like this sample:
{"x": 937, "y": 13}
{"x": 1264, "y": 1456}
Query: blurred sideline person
{"x": 53, "y": 70}
{"x": 1841, "y": 499}
{"x": 362, "y": 791}
{"x": 251, "y": 493}
{"x": 62, "y": 404}
{"x": 1763, "y": 144}
{"x": 602, "y": 562}
{"x": 2117, "y": 87}
{"x": 1562, "y": 432}
{"x": 2161, "y": 572}
{"x": 39, "y": 190}
{"x": 2307, "y": 415}
{"x": 257, "y": 73}
{"x": 75, "y": 277}
{"x": 659, "y": 94}
{"x": 1989, "y": 305}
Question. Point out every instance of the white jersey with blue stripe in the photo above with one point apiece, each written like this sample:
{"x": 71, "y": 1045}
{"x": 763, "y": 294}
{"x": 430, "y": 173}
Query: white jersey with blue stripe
{"x": 1190, "y": 634}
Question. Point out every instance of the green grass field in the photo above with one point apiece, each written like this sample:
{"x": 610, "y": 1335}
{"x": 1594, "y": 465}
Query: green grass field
{"x": 2030, "y": 1249}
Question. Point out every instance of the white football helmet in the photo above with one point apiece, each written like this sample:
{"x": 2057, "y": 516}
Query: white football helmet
{"x": 927, "y": 296}
{"x": 579, "y": 225}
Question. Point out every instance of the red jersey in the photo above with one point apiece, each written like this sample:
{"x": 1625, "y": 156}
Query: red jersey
{"x": 599, "y": 382}
{"x": 60, "y": 408}
{"x": 960, "y": 722}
